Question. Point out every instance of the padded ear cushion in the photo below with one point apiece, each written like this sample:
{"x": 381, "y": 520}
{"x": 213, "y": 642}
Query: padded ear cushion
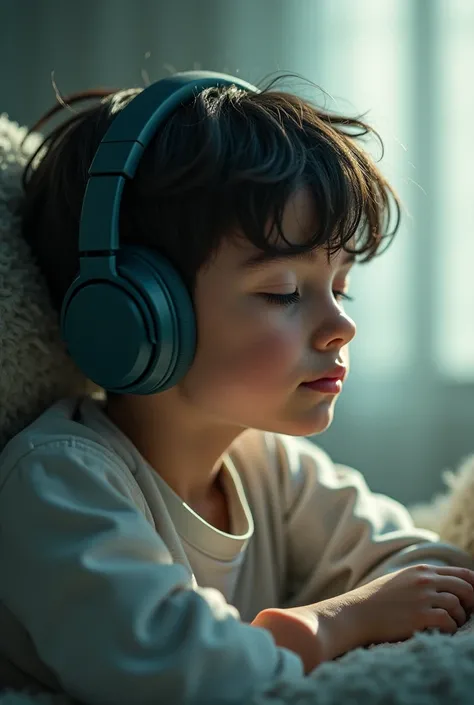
{"x": 172, "y": 316}
{"x": 133, "y": 333}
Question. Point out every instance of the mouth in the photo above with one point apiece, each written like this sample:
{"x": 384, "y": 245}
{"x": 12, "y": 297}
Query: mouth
{"x": 329, "y": 382}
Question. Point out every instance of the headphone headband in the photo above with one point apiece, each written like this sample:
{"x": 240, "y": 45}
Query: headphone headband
{"x": 122, "y": 146}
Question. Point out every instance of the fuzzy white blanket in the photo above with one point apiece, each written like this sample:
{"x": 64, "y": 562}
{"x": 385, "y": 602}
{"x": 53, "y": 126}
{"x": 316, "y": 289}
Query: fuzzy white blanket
{"x": 34, "y": 371}
{"x": 427, "y": 670}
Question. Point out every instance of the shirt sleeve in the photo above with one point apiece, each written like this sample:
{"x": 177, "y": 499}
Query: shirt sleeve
{"x": 340, "y": 534}
{"x": 108, "y": 612}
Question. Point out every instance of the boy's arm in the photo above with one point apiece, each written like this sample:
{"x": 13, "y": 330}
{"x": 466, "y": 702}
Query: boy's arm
{"x": 108, "y": 612}
{"x": 341, "y": 535}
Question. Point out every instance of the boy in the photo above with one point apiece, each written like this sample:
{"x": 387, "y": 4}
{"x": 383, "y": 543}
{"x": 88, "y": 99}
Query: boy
{"x": 188, "y": 543}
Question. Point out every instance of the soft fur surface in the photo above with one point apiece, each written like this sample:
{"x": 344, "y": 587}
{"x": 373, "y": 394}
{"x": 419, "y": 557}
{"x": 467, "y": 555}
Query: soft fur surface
{"x": 451, "y": 514}
{"x": 427, "y": 670}
{"x": 35, "y": 370}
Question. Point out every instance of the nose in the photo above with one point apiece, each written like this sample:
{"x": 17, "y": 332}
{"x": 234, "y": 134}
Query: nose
{"x": 335, "y": 331}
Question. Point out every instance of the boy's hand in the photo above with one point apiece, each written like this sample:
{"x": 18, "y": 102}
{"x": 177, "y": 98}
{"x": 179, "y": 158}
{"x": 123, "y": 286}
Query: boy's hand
{"x": 421, "y": 597}
{"x": 391, "y": 608}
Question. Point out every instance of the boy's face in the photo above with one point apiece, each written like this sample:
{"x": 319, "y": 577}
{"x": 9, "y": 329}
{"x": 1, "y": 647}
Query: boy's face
{"x": 254, "y": 353}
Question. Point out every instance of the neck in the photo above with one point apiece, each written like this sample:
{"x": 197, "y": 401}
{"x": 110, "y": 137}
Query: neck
{"x": 184, "y": 448}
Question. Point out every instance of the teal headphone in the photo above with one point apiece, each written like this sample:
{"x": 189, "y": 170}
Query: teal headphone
{"x": 127, "y": 319}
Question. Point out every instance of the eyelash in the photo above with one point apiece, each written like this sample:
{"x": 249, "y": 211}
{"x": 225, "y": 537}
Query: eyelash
{"x": 294, "y": 297}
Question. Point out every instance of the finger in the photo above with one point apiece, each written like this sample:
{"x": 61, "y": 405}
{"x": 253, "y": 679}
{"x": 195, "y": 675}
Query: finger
{"x": 454, "y": 571}
{"x": 438, "y": 618}
{"x": 450, "y": 603}
{"x": 464, "y": 591}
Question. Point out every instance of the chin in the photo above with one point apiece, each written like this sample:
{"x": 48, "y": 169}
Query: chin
{"x": 311, "y": 423}
{"x": 307, "y": 428}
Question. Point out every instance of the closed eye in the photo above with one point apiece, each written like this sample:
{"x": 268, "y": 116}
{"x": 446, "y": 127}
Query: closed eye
{"x": 282, "y": 299}
{"x": 342, "y": 296}
{"x": 294, "y": 297}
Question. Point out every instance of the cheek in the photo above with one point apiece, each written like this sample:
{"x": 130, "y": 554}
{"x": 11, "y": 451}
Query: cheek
{"x": 267, "y": 360}
{"x": 256, "y": 359}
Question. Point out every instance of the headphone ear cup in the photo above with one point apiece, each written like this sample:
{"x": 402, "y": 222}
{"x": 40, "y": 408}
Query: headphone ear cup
{"x": 134, "y": 331}
{"x": 170, "y": 316}
{"x": 105, "y": 332}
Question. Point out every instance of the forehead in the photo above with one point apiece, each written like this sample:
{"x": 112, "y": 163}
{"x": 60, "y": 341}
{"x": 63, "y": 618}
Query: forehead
{"x": 258, "y": 259}
{"x": 298, "y": 223}
{"x": 241, "y": 256}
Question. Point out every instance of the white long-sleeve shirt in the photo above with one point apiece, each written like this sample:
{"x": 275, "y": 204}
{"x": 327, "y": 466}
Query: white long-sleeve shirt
{"x": 113, "y": 590}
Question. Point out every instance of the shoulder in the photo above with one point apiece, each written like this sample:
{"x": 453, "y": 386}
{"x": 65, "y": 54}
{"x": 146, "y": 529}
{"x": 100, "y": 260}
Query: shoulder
{"x": 60, "y": 444}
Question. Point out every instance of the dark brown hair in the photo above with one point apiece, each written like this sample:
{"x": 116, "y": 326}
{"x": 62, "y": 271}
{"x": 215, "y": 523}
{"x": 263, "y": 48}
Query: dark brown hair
{"x": 229, "y": 159}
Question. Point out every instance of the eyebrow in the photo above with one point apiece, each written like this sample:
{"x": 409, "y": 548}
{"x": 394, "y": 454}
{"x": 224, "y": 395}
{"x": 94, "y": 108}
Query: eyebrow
{"x": 261, "y": 259}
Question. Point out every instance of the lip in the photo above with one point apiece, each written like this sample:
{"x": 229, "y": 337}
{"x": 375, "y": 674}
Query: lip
{"x": 329, "y": 383}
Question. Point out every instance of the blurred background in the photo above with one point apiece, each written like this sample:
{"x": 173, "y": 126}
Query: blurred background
{"x": 406, "y": 413}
